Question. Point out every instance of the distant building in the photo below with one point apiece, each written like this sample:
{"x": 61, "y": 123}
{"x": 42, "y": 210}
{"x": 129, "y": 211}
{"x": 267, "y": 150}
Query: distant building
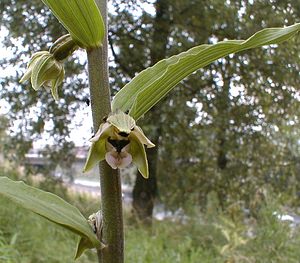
{"x": 38, "y": 160}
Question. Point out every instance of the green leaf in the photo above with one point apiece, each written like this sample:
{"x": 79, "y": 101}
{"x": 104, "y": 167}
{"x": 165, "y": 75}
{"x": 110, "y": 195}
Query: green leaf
{"x": 52, "y": 208}
{"x": 151, "y": 85}
{"x": 82, "y": 245}
{"x": 81, "y": 18}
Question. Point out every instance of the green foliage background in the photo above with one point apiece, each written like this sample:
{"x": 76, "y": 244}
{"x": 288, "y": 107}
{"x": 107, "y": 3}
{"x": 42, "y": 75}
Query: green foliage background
{"x": 231, "y": 128}
{"x": 213, "y": 236}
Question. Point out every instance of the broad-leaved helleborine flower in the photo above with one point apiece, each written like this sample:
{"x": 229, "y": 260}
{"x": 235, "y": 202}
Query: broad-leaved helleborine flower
{"x": 44, "y": 70}
{"x": 119, "y": 141}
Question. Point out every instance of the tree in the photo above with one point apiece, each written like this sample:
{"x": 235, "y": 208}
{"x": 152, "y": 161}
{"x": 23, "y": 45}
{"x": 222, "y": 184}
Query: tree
{"x": 236, "y": 129}
{"x": 228, "y": 121}
{"x": 233, "y": 100}
{"x": 26, "y": 36}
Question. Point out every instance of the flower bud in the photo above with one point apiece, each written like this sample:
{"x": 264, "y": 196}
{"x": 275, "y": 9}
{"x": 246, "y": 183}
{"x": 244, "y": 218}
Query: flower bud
{"x": 44, "y": 70}
{"x": 63, "y": 47}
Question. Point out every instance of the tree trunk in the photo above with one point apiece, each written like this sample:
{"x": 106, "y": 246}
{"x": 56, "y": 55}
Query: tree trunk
{"x": 223, "y": 107}
{"x": 145, "y": 190}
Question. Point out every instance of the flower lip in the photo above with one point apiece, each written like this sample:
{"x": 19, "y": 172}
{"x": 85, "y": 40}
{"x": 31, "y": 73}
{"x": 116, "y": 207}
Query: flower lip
{"x": 118, "y": 160}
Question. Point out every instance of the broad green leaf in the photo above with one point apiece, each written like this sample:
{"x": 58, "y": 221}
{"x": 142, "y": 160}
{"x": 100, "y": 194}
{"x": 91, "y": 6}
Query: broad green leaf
{"x": 81, "y": 18}
{"x": 151, "y": 85}
{"x": 83, "y": 244}
{"x": 51, "y": 207}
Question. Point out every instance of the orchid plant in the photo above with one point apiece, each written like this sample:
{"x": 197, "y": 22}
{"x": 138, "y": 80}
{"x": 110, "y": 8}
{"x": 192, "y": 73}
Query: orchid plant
{"x": 118, "y": 141}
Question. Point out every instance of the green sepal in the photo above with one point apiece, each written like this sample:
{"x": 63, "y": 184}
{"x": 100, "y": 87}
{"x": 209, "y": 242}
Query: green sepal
{"x": 96, "y": 154}
{"x": 44, "y": 70}
{"x": 98, "y": 148}
{"x": 139, "y": 134}
{"x": 83, "y": 244}
{"x": 56, "y": 83}
{"x": 123, "y": 122}
{"x": 49, "y": 73}
{"x": 139, "y": 157}
{"x": 31, "y": 64}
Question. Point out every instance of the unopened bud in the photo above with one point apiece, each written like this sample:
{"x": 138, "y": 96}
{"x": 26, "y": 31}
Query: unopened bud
{"x": 63, "y": 47}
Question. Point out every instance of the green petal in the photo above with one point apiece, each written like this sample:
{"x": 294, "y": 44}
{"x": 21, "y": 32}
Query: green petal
{"x": 26, "y": 75}
{"x": 52, "y": 70}
{"x": 105, "y": 130}
{"x": 95, "y": 155}
{"x": 139, "y": 157}
{"x": 138, "y": 132}
{"x": 38, "y": 71}
{"x": 56, "y": 82}
{"x": 31, "y": 64}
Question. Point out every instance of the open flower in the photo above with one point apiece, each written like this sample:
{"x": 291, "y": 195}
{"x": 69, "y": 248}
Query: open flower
{"x": 119, "y": 141}
{"x": 44, "y": 70}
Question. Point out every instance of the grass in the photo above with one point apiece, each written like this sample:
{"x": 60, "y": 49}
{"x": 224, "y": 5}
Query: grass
{"x": 35, "y": 239}
{"x": 214, "y": 237}
{"x": 165, "y": 243}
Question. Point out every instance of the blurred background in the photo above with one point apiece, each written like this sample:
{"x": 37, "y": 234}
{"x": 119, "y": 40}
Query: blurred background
{"x": 225, "y": 175}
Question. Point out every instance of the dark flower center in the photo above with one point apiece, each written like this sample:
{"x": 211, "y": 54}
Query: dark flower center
{"x": 123, "y": 134}
{"x": 118, "y": 144}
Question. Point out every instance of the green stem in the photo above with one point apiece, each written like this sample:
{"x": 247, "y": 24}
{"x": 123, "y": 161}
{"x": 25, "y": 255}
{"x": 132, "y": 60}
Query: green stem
{"x": 111, "y": 195}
